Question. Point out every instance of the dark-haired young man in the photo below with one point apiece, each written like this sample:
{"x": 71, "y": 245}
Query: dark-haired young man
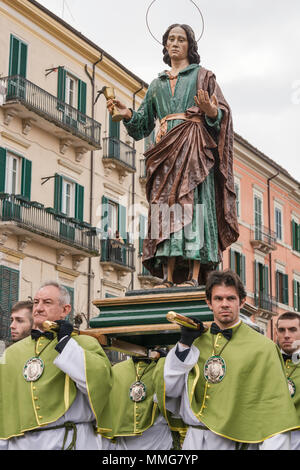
{"x": 288, "y": 340}
{"x": 21, "y": 320}
{"x": 189, "y": 170}
{"x": 228, "y": 383}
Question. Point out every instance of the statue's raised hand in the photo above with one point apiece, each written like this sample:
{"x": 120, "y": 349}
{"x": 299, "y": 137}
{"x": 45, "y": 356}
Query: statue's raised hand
{"x": 121, "y": 108}
{"x": 206, "y": 104}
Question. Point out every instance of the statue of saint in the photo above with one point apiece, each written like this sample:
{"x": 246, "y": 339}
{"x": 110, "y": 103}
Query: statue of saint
{"x": 190, "y": 187}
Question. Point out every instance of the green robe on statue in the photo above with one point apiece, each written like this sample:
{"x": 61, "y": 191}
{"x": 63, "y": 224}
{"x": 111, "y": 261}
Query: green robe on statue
{"x": 199, "y": 238}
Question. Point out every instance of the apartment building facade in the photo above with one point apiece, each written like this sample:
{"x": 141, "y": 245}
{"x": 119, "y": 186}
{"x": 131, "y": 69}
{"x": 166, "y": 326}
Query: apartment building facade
{"x": 72, "y": 182}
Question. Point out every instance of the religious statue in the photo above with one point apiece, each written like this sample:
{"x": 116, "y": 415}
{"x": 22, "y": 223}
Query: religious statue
{"x": 189, "y": 181}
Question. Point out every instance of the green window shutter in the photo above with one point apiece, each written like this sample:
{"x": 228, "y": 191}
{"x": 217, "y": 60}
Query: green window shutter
{"x": 122, "y": 222}
{"x": 2, "y": 169}
{"x": 277, "y": 286}
{"x": 26, "y": 178}
{"x": 294, "y": 234}
{"x": 58, "y": 192}
{"x": 79, "y": 201}
{"x": 256, "y": 278}
{"x": 285, "y": 289}
{"x": 104, "y": 216}
{"x": 14, "y": 56}
{"x": 142, "y": 235}
{"x": 18, "y": 57}
{"x": 82, "y": 97}
{"x": 266, "y": 281}
{"x": 243, "y": 269}
{"x": 298, "y": 237}
{"x": 23, "y": 60}
{"x": 9, "y": 294}
{"x": 114, "y": 128}
{"x": 61, "y": 87}
{"x": 295, "y": 294}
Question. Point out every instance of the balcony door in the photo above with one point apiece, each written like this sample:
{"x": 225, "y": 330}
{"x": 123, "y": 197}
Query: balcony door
{"x": 261, "y": 283}
{"x": 114, "y": 139}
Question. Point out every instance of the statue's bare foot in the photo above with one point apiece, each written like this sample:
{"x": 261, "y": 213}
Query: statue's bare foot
{"x": 191, "y": 283}
{"x": 164, "y": 285}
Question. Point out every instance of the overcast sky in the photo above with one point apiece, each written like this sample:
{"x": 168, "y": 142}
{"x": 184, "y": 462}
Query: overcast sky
{"x": 253, "y": 46}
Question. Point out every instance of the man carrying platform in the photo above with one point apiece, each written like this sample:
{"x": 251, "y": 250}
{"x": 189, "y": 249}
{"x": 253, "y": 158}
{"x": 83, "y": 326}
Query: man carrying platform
{"x": 53, "y": 388}
{"x": 288, "y": 340}
{"x": 228, "y": 384}
{"x": 133, "y": 414}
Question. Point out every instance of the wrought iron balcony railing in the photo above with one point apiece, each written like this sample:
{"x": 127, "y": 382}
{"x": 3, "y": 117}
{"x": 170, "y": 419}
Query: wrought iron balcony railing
{"x": 263, "y": 237}
{"x": 118, "y": 150}
{"x": 265, "y": 302}
{"x": 114, "y": 251}
{"x": 32, "y": 216}
{"x": 34, "y": 98}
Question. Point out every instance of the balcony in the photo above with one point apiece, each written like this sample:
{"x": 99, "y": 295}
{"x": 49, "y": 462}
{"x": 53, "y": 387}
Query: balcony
{"x": 263, "y": 239}
{"x": 30, "y": 220}
{"x": 22, "y": 98}
{"x": 118, "y": 156}
{"x": 117, "y": 256}
{"x": 267, "y": 305}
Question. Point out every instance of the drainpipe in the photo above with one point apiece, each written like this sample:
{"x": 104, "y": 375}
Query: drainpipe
{"x": 133, "y": 179}
{"x": 92, "y": 80}
{"x": 270, "y": 254}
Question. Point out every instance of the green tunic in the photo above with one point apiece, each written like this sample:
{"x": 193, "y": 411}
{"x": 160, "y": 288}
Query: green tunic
{"x": 157, "y": 104}
{"x": 252, "y": 402}
{"x": 293, "y": 372}
{"x": 30, "y": 405}
{"x": 123, "y": 416}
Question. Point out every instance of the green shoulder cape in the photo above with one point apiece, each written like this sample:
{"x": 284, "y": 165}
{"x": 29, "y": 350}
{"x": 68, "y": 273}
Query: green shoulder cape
{"x": 293, "y": 373}
{"x": 252, "y": 402}
{"x": 123, "y": 416}
{"x": 175, "y": 423}
{"x": 29, "y": 405}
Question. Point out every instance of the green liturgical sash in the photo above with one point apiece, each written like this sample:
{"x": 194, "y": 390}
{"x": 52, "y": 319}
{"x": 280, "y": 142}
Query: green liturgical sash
{"x": 29, "y": 405}
{"x": 252, "y": 402}
{"x": 122, "y": 415}
{"x": 293, "y": 375}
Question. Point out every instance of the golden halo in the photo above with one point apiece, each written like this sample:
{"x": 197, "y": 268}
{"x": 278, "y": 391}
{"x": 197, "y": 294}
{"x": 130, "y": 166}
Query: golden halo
{"x": 196, "y": 6}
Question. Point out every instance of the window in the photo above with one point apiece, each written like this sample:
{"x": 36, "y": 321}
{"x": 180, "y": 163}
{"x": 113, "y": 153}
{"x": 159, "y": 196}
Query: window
{"x": 12, "y": 180}
{"x": 295, "y": 236}
{"x": 282, "y": 288}
{"x": 9, "y": 294}
{"x": 296, "y": 290}
{"x": 258, "y": 217}
{"x": 18, "y": 57}
{"x": 238, "y": 264}
{"x": 72, "y": 91}
{"x": 68, "y": 197}
{"x": 113, "y": 218}
{"x": 15, "y": 173}
{"x": 278, "y": 223}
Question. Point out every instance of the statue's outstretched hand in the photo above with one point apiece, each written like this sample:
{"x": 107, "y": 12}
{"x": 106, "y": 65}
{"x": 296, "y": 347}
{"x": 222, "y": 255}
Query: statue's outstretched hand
{"x": 206, "y": 104}
{"x": 121, "y": 108}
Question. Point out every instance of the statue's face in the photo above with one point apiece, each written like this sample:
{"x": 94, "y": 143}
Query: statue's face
{"x": 177, "y": 44}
